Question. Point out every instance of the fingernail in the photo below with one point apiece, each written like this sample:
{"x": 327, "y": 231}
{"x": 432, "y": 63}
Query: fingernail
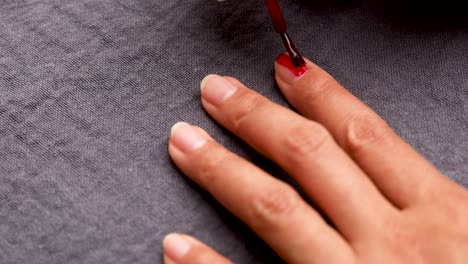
{"x": 285, "y": 68}
{"x": 175, "y": 247}
{"x": 186, "y": 138}
{"x": 215, "y": 89}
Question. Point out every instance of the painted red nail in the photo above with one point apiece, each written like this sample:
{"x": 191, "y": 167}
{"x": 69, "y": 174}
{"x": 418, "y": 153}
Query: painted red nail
{"x": 284, "y": 60}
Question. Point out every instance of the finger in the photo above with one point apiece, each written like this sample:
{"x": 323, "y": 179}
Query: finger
{"x": 397, "y": 169}
{"x": 273, "y": 209}
{"x": 304, "y": 149}
{"x": 183, "y": 249}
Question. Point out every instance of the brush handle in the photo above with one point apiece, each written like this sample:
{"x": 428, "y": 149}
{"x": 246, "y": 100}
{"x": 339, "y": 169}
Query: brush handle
{"x": 276, "y": 16}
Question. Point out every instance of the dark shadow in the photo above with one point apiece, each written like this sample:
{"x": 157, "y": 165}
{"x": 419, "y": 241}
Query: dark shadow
{"x": 244, "y": 27}
{"x": 327, "y": 5}
{"x": 419, "y": 14}
{"x": 410, "y": 15}
{"x": 234, "y": 27}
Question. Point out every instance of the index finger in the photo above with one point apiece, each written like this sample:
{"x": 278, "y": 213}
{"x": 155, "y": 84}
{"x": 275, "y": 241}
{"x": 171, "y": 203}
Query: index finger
{"x": 402, "y": 175}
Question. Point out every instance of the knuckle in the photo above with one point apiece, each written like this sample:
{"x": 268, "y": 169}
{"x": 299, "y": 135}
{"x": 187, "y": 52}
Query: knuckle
{"x": 363, "y": 130}
{"x": 406, "y": 246}
{"x": 249, "y": 103}
{"x": 273, "y": 204}
{"x": 401, "y": 237}
{"x": 324, "y": 83}
{"x": 208, "y": 169}
{"x": 306, "y": 139}
{"x": 454, "y": 211}
{"x": 320, "y": 85}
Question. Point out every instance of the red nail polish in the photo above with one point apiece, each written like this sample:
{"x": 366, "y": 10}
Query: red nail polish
{"x": 284, "y": 60}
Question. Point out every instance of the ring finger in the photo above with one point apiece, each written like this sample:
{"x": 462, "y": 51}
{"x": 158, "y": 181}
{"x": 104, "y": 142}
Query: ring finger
{"x": 273, "y": 209}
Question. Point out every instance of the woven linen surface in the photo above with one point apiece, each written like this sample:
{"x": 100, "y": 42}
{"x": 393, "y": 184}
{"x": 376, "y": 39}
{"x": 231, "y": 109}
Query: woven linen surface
{"x": 89, "y": 90}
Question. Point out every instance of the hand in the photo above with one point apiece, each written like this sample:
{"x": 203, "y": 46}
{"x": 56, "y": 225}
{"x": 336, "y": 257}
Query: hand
{"x": 386, "y": 202}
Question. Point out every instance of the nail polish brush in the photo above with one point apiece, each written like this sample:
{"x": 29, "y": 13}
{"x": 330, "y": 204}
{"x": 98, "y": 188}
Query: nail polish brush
{"x": 280, "y": 27}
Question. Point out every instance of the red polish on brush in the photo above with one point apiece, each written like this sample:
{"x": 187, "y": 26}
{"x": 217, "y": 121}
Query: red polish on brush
{"x": 284, "y": 60}
{"x": 280, "y": 27}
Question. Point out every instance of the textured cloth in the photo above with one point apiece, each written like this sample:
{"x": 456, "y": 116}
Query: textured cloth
{"x": 89, "y": 90}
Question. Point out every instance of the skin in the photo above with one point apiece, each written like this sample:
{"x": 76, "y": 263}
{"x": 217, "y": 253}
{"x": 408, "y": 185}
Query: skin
{"x": 387, "y": 203}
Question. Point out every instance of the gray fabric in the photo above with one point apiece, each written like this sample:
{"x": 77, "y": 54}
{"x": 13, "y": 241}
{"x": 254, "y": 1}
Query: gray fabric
{"x": 89, "y": 90}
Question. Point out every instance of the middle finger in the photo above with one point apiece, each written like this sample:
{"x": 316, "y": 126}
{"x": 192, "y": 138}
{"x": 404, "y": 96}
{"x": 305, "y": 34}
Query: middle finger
{"x": 304, "y": 149}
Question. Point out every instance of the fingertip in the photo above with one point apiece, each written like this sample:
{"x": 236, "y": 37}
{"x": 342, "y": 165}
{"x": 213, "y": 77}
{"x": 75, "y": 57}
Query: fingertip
{"x": 201, "y": 252}
{"x": 178, "y": 125}
{"x": 203, "y": 132}
{"x": 205, "y": 80}
{"x": 286, "y": 70}
{"x": 175, "y": 247}
{"x": 234, "y": 81}
{"x": 216, "y": 89}
{"x": 186, "y": 137}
